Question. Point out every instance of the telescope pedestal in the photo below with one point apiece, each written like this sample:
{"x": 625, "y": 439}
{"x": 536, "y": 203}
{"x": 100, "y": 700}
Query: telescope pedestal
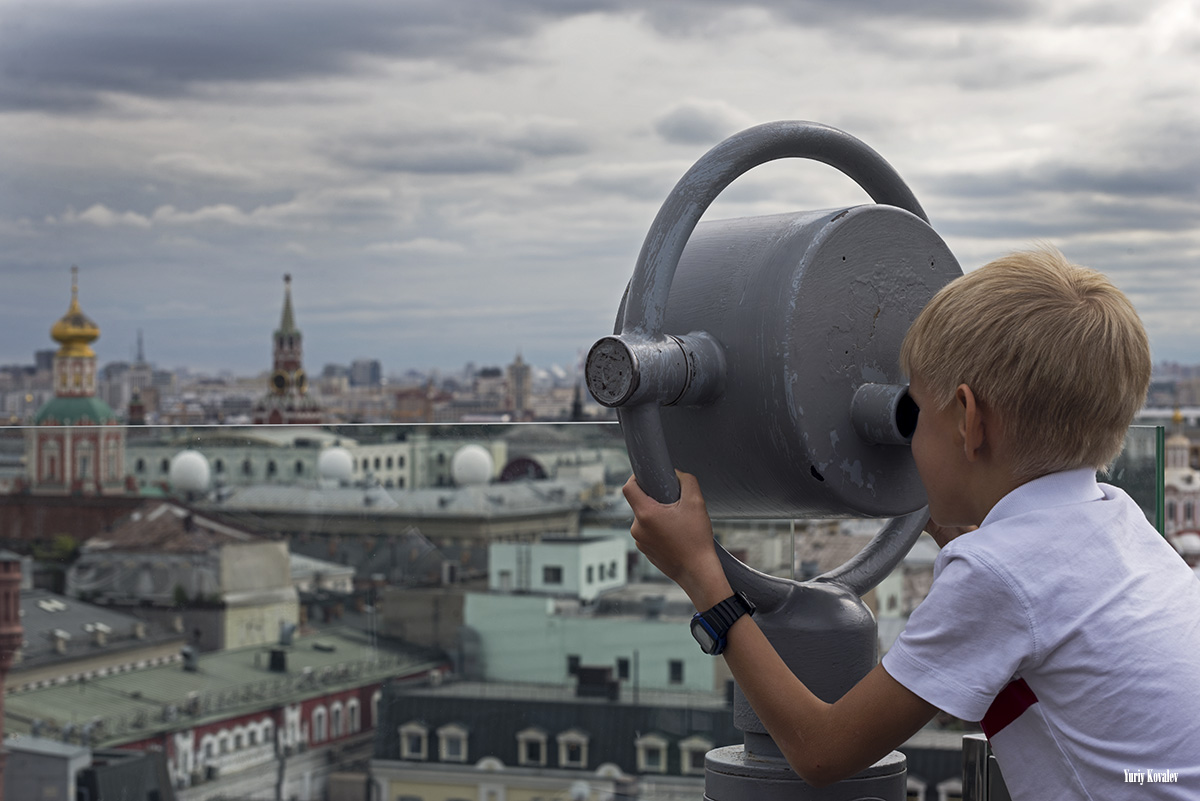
{"x": 731, "y": 774}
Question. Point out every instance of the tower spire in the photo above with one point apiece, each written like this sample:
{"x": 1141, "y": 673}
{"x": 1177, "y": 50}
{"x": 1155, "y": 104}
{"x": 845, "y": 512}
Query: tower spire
{"x": 287, "y": 399}
{"x": 287, "y": 323}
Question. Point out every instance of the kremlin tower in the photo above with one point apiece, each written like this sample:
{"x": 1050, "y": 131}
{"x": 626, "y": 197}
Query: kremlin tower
{"x": 287, "y": 401}
{"x": 76, "y": 445}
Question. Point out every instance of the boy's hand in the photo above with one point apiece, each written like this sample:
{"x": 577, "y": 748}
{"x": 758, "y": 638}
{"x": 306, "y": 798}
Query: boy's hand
{"x": 677, "y": 538}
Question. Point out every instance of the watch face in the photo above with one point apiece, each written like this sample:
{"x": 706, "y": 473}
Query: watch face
{"x": 708, "y": 643}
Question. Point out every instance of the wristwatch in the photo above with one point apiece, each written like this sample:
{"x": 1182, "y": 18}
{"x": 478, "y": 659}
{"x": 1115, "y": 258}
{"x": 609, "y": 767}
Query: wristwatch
{"x": 709, "y": 628}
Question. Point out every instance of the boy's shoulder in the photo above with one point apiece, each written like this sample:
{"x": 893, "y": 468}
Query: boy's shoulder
{"x": 1063, "y": 528}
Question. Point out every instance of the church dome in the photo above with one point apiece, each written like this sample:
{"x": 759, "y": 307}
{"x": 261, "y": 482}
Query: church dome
{"x": 67, "y": 411}
{"x": 75, "y": 331}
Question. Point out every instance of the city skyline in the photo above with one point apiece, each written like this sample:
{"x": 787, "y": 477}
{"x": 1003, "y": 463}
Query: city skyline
{"x": 461, "y": 181}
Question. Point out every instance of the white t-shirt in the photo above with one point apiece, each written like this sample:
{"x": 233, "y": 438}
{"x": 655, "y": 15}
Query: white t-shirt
{"x": 1068, "y": 587}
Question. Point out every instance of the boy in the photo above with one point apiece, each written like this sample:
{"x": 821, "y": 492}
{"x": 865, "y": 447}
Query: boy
{"x": 1064, "y": 622}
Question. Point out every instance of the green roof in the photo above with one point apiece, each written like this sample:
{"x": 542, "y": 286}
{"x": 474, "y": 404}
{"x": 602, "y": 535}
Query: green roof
{"x": 75, "y": 411}
{"x": 138, "y": 704}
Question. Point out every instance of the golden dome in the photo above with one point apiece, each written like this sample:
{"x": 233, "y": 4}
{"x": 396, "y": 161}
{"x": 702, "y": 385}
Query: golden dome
{"x": 74, "y": 330}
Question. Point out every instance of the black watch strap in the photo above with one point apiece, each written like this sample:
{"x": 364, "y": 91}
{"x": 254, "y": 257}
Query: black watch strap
{"x": 722, "y": 616}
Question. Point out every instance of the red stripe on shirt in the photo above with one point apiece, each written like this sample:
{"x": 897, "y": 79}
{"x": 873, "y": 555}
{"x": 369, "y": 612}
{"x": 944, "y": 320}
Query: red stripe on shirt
{"x": 1009, "y": 704}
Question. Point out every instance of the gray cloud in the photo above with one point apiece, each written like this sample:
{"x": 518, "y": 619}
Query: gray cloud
{"x": 61, "y": 55}
{"x": 700, "y": 122}
{"x": 703, "y": 15}
{"x": 67, "y": 55}
{"x": 457, "y": 179}
{"x": 481, "y": 145}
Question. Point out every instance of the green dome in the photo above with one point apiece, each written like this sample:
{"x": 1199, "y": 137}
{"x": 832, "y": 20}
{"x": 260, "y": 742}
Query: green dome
{"x": 75, "y": 411}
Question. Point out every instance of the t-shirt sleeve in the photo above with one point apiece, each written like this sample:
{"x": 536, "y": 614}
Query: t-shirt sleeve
{"x": 966, "y": 640}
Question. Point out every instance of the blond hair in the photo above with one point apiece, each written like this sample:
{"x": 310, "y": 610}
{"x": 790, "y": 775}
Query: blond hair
{"x": 1054, "y": 348}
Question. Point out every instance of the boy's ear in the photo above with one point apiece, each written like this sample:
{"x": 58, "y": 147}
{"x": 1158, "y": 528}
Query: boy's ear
{"x": 970, "y": 422}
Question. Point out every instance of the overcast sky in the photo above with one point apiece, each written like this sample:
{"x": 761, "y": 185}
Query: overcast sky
{"x": 458, "y": 180}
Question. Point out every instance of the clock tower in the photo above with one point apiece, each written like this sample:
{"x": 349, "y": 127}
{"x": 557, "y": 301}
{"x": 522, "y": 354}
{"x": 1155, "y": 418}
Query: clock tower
{"x": 287, "y": 401}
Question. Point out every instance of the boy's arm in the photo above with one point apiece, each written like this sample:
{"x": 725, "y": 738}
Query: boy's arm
{"x": 822, "y": 742}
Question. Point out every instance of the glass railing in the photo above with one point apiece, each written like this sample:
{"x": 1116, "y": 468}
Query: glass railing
{"x": 1140, "y": 470}
{"x": 470, "y": 593}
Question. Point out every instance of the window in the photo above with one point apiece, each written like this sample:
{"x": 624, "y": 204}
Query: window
{"x": 552, "y": 574}
{"x": 590, "y": 575}
{"x": 531, "y": 747}
{"x": 452, "y": 743}
{"x": 140, "y": 466}
{"x": 413, "y": 740}
{"x": 691, "y": 754}
{"x": 1170, "y": 510}
{"x": 675, "y": 668}
{"x": 572, "y": 749}
{"x": 354, "y": 714}
{"x": 612, "y": 569}
{"x": 622, "y": 667}
{"x": 299, "y": 467}
{"x": 651, "y": 753}
{"x": 164, "y": 466}
{"x": 950, "y": 790}
{"x": 271, "y": 468}
{"x": 914, "y": 789}
{"x": 389, "y": 463}
{"x": 376, "y": 462}
{"x": 400, "y": 461}
{"x": 247, "y": 468}
{"x": 1189, "y": 509}
{"x": 320, "y": 725}
{"x": 219, "y": 465}
{"x": 335, "y": 720}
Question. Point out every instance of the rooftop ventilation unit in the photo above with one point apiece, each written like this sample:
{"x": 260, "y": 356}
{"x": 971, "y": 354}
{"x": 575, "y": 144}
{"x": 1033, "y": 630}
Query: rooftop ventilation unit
{"x": 191, "y": 660}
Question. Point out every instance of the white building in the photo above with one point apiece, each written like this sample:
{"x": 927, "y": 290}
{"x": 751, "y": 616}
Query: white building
{"x": 578, "y": 567}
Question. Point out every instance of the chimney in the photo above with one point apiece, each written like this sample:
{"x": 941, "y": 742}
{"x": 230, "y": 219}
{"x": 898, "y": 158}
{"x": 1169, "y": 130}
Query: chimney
{"x": 61, "y": 638}
{"x": 191, "y": 662}
{"x": 100, "y": 633}
{"x": 139, "y": 630}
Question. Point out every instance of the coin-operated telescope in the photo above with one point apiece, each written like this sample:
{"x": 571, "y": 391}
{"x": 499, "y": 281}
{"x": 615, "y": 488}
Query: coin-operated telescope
{"x": 761, "y": 354}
